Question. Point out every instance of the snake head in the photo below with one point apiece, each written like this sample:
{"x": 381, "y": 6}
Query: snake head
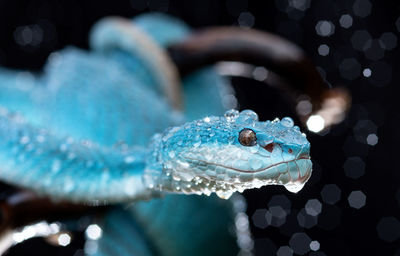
{"x": 233, "y": 153}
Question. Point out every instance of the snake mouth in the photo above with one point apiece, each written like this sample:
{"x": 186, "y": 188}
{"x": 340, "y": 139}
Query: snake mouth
{"x": 303, "y": 156}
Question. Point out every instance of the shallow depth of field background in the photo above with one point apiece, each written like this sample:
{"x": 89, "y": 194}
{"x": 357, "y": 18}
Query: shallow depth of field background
{"x": 351, "y": 204}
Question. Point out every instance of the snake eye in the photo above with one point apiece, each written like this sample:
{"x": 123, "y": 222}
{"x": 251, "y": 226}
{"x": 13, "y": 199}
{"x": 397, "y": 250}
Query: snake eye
{"x": 247, "y": 137}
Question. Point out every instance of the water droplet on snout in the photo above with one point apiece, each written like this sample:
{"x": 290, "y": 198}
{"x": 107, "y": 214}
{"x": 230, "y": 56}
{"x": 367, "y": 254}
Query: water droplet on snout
{"x": 294, "y": 187}
{"x": 224, "y": 194}
{"x": 287, "y": 122}
{"x": 247, "y": 116}
{"x": 231, "y": 115}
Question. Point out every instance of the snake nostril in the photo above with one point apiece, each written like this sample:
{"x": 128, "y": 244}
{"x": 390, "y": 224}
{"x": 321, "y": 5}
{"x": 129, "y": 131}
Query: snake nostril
{"x": 269, "y": 147}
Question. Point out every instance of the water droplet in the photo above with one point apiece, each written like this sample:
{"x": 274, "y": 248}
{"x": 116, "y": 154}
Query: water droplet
{"x": 294, "y": 187}
{"x": 171, "y": 154}
{"x": 129, "y": 159}
{"x": 224, "y": 194}
{"x": 231, "y": 115}
{"x": 247, "y": 117}
{"x": 287, "y": 122}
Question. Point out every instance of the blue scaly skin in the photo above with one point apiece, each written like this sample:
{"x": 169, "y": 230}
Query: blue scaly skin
{"x": 206, "y": 156}
{"x": 198, "y": 157}
{"x": 60, "y": 135}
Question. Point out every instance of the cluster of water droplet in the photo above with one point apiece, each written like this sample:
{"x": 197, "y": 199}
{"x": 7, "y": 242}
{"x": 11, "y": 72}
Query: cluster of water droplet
{"x": 201, "y": 156}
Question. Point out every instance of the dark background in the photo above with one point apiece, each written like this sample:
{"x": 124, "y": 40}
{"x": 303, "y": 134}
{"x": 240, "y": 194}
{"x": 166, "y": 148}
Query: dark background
{"x": 359, "y": 168}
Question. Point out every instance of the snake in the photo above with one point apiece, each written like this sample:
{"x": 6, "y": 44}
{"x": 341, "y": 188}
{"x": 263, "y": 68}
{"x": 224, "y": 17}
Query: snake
{"x": 108, "y": 126}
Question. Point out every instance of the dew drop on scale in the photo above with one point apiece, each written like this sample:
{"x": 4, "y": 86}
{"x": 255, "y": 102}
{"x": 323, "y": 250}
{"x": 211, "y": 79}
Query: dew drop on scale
{"x": 247, "y": 117}
{"x": 294, "y": 187}
{"x": 231, "y": 115}
{"x": 224, "y": 194}
{"x": 287, "y": 122}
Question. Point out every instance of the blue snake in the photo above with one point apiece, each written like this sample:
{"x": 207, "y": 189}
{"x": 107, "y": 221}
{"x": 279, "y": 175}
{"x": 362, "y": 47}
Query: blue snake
{"x": 96, "y": 128}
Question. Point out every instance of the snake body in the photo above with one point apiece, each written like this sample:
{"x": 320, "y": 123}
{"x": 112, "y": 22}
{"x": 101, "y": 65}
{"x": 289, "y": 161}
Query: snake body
{"x": 96, "y": 128}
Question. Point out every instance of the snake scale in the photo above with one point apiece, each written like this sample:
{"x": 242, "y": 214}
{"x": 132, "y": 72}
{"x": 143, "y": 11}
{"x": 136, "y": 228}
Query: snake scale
{"x": 103, "y": 127}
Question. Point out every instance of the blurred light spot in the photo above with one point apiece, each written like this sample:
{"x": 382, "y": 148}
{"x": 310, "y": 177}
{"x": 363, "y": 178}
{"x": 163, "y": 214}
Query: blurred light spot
{"x": 357, "y": 199}
{"x": 91, "y": 247}
{"x": 325, "y": 28}
{"x": 314, "y": 245}
{"x": 313, "y": 207}
{"x": 349, "y": 68}
{"x": 284, "y": 251}
{"x": 388, "y": 41}
{"x": 360, "y": 39}
{"x": 93, "y": 232}
{"x": 305, "y": 220}
{"x": 315, "y": 123}
{"x": 139, "y": 4}
{"x": 246, "y": 19}
{"x": 41, "y": 229}
{"x": 300, "y": 243}
{"x": 372, "y": 139}
{"x": 259, "y": 219}
{"x": 276, "y": 216}
{"x": 374, "y": 50}
{"x": 304, "y": 107}
{"x": 300, "y": 5}
{"x": 346, "y": 21}
{"x": 367, "y": 72}
{"x": 323, "y": 50}
{"x": 64, "y": 239}
{"x": 382, "y": 74}
{"x": 331, "y": 193}
{"x": 158, "y": 5}
{"x": 388, "y": 229}
{"x": 260, "y": 73}
{"x": 354, "y": 167}
{"x": 31, "y": 35}
{"x": 362, "y": 8}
